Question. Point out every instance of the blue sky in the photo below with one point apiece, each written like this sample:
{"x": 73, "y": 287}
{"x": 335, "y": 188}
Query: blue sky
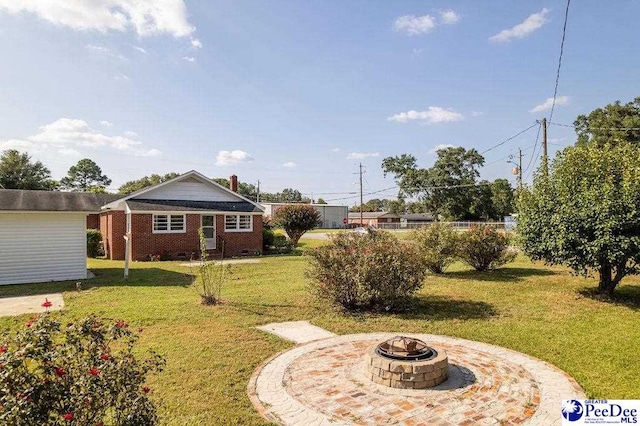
{"x": 296, "y": 93}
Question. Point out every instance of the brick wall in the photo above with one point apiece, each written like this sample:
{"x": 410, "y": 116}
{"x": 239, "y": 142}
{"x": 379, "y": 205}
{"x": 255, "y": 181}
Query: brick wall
{"x": 182, "y": 245}
{"x": 93, "y": 221}
{"x": 112, "y": 228}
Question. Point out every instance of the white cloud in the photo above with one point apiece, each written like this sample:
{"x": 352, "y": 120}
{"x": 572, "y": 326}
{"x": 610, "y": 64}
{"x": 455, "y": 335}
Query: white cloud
{"x": 121, "y": 77}
{"x": 69, "y": 152}
{"x": 546, "y": 105}
{"x": 130, "y": 134}
{"x": 449, "y": 17}
{"x": 196, "y": 44}
{"x": 523, "y": 29}
{"x": 19, "y": 144}
{"x": 431, "y": 116}
{"x": 106, "y": 123}
{"x": 335, "y": 150}
{"x": 415, "y": 25}
{"x": 361, "y": 155}
{"x": 67, "y": 134}
{"x": 289, "y": 164}
{"x": 231, "y": 158}
{"x": 189, "y": 58}
{"x": 476, "y": 113}
{"x": 140, "y": 49}
{"x": 441, "y": 146}
{"x": 416, "y": 51}
{"x": 145, "y": 18}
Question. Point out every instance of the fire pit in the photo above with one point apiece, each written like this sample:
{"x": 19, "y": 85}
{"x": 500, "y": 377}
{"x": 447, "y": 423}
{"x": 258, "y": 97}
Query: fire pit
{"x": 406, "y": 363}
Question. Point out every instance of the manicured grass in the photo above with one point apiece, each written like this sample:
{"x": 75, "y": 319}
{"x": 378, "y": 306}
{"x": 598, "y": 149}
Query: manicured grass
{"x": 212, "y": 351}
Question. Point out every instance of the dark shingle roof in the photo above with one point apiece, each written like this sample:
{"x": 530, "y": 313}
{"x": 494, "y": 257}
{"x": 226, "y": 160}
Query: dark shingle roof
{"x": 53, "y": 201}
{"x": 186, "y": 205}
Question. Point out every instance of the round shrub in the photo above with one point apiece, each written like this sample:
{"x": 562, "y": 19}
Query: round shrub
{"x": 296, "y": 219}
{"x": 94, "y": 243}
{"x": 437, "y": 245}
{"x": 83, "y": 373}
{"x": 484, "y": 248}
{"x": 365, "y": 271}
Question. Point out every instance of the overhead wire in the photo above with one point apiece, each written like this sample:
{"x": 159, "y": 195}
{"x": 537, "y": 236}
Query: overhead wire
{"x": 564, "y": 34}
{"x": 509, "y": 138}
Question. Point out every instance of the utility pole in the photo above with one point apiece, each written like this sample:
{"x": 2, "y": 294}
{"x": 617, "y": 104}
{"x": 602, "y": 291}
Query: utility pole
{"x": 258, "y": 192}
{"x": 545, "y": 158}
{"x": 519, "y": 167}
{"x": 361, "y": 221}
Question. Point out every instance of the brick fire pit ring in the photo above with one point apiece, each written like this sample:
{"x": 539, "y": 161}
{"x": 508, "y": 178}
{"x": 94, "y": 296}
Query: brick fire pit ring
{"x": 325, "y": 382}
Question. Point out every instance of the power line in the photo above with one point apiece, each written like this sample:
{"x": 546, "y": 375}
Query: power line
{"x": 564, "y": 33}
{"x": 533, "y": 155}
{"x": 421, "y": 188}
{"x": 596, "y": 128}
{"x": 509, "y": 138}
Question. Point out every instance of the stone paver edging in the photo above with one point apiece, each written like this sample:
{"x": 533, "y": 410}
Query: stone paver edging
{"x": 323, "y": 383}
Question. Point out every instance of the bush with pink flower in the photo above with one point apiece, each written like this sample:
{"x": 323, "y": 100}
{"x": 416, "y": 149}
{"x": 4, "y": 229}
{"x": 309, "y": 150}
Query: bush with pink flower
{"x": 86, "y": 372}
{"x": 369, "y": 271}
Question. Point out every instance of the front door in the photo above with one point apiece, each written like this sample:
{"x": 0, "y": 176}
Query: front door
{"x": 208, "y": 223}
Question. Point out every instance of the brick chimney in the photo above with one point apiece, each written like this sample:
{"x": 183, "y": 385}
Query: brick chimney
{"x": 233, "y": 183}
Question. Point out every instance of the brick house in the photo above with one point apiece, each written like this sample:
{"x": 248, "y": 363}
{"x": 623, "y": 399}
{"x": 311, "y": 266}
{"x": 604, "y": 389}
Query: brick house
{"x": 163, "y": 220}
{"x": 373, "y": 218}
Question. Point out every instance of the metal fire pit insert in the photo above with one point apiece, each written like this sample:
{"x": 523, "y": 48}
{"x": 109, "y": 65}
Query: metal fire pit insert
{"x": 406, "y": 363}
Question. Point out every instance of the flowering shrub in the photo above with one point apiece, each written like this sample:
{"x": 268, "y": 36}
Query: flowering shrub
{"x": 83, "y": 373}
{"x": 296, "y": 219}
{"x": 437, "y": 245}
{"x": 483, "y": 248}
{"x": 365, "y": 271}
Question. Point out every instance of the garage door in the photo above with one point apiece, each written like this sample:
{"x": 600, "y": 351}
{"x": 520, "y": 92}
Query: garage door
{"x": 40, "y": 247}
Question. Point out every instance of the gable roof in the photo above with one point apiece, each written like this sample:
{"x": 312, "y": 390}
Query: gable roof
{"x": 185, "y": 205}
{"x": 53, "y": 201}
{"x": 189, "y": 174}
{"x": 372, "y": 215}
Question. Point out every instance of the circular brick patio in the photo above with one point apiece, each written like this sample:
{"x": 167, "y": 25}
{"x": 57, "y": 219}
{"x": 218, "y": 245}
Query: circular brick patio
{"x": 326, "y": 382}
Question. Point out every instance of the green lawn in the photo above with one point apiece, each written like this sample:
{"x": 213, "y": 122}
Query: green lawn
{"x": 212, "y": 351}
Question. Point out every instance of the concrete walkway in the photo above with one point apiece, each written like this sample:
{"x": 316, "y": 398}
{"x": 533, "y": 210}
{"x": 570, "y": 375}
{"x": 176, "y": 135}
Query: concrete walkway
{"x": 11, "y": 306}
{"x": 297, "y": 331}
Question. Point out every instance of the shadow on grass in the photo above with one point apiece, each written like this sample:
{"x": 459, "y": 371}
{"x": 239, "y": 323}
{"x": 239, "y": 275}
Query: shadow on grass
{"x": 104, "y": 277}
{"x": 434, "y": 308}
{"x": 499, "y": 275}
{"x": 439, "y": 308}
{"x": 626, "y": 295}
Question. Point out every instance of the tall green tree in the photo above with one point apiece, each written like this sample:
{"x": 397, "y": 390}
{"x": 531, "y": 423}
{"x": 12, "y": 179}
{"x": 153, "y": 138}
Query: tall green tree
{"x": 585, "y": 213}
{"x": 144, "y": 182}
{"x": 447, "y": 188}
{"x": 85, "y": 176}
{"x": 502, "y": 198}
{"x": 613, "y": 124}
{"x": 17, "y": 171}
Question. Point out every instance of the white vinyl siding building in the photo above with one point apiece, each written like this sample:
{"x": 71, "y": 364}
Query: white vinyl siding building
{"x": 42, "y": 247}
{"x": 331, "y": 216}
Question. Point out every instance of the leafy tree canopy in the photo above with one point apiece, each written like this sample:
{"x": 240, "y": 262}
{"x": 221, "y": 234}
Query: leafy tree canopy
{"x": 144, "y": 182}
{"x": 17, "y": 171}
{"x": 615, "y": 123}
{"x": 585, "y": 213}
{"x": 446, "y": 189}
{"x": 321, "y": 201}
{"x": 85, "y": 176}
{"x": 296, "y": 219}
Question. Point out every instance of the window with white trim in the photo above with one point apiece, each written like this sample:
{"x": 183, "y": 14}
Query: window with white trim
{"x": 238, "y": 223}
{"x": 166, "y": 223}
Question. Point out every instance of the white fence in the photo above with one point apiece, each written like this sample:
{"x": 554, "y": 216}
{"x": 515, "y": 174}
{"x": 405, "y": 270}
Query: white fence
{"x": 458, "y": 225}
